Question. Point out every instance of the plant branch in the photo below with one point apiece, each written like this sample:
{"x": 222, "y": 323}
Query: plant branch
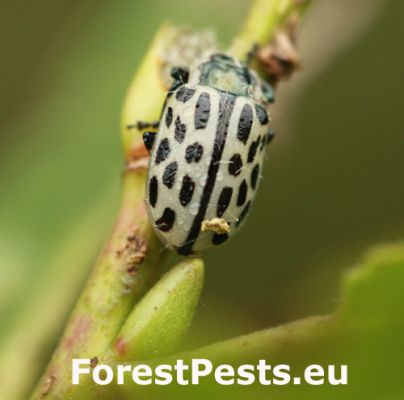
{"x": 122, "y": 274}
{"x": 262, "y": 22}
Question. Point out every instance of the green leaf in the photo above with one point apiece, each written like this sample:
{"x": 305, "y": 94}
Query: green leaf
{"x": 160, "y": 320}
{"x": 365, "y": 333}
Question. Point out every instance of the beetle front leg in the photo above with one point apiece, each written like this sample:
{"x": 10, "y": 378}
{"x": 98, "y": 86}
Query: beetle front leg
{"x": 148, "y": 140}
{"x": 180, "y": 74}
{"x": 141, "y": 125}
{"x": 251, "y": 54}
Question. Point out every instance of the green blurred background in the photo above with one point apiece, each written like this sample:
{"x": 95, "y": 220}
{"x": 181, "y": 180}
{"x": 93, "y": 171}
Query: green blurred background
{"x": 333, "y": 185}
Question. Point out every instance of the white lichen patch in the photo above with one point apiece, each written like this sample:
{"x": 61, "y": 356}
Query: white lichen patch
{"x": 184, "y": 47}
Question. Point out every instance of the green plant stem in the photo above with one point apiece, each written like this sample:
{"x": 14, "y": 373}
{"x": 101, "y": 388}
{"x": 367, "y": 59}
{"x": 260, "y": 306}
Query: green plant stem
{"x": 264, "y": 17}
{"x": 268, "y": 343}
{"x": 43, "y": 317}
{"x": 111, "y": 290}
{"x": 109, "y": 294}
{"x": 146, "y": 94}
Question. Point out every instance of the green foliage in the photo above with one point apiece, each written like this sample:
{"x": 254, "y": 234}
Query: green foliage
{"x": 365, "y": 333}
{"x": 373, "y": 291}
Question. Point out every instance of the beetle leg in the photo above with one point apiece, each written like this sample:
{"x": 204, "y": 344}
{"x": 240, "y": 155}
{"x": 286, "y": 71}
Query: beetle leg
{"x": 269, "y": 136}
{"x": 251, "y": 54}
{"x": 180, "y": 74}
{"x": 144, "y": 125}
{"x": 148, "y": 139}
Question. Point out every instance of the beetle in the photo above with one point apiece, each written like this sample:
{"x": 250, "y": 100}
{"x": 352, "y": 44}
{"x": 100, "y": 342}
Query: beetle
{"x": 207, "y": 154}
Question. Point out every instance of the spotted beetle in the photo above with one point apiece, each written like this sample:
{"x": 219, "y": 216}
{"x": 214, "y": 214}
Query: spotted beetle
{"x": 206, "y": 157}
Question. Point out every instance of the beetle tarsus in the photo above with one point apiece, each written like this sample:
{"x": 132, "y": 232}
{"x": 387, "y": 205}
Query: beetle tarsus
{"x": 148, "y": 139}
{"x": 251, "y": 54}
{"x": 180, "y": 74}
{"x": 270, "y": 136}
{"x": 140, "y": 125}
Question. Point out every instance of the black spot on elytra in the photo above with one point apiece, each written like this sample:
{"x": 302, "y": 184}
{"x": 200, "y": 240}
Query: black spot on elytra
{"x": 180, "y": 130}
{"x": 235, "y": 165}
{"x": 193, "y": 152}
{"x": 224, "y": 201}
{"x": 169, "y": 117}
{"x": 187, "y": 190}
{"x": 254, "y": 176}
{"x": 219, "y": 238}
{"x": 245, "y": 123}
{"x": 243, "y": 214}
{"x": 253, "y": 150}
{"x": 261, "y": 114}
{"x": 202, "y": 111}
{"x": 153, "y": 191}
{"x": 242, "y": 193}
{"x": 184, "y": 94}
{"x": 163, "y": 151}
{"x": 166, "y": 221}
{"x": 169, "y": 174}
